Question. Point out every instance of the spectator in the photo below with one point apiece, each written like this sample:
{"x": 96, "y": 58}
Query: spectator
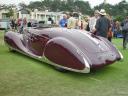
{"x": 63, "y": 21}
{"x": 102, "y": 24}
{"x": 29, "y": 24}
{"x": 124, "y": 25}
{"x": 50, "y": 21}
{"x": 12, "y": 24}
{"x": 118, "y": 28}
{"x": 110, "y": 32}
{"x": 71, "y": 23}
{"x": 85, "y": 22}
{"x": 79, "y": 23}
{"x": 92, "y": 21}
{"x": 19, "y": 24}
{"x": 16, "y": 25}
{"x": 23, "y": 23}
{"x": 114, "y": 29}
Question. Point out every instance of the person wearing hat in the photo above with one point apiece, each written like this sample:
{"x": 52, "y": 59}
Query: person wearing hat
{"x": 92, "y": 20}
{"x": 103, "y": 24}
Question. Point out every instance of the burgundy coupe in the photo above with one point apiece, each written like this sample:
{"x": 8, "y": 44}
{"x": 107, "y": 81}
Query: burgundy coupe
{"x": 68, "y": 49}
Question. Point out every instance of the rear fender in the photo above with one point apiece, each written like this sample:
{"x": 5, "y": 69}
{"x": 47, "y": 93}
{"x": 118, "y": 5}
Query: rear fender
{"x": 63, "y": 53}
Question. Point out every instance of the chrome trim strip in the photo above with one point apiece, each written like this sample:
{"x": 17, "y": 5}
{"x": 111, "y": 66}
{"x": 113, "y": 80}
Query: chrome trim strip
{"x": 87, "y": 65}
{"x": 86, "y": 70}
{"x": 27, "y": 54}
{"x": 121, "y": 54}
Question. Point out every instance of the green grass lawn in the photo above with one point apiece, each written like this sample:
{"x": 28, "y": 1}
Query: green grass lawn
{"x": 24, "y": 76}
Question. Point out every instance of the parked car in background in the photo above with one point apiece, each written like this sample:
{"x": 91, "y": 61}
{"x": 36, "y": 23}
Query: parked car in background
{"x": 33, "y": 22}
{"x": 4, "y": 24}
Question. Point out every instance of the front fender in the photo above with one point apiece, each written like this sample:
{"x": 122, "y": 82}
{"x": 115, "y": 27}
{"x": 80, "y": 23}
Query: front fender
{"x": 63, "y": 53}
{"x": 14, "y": 40}
{"x": 119, "y": 55}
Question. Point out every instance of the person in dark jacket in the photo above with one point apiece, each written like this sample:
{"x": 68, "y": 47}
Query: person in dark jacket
{"x": 102, "y": 24}
{"x": 124, "y": 25}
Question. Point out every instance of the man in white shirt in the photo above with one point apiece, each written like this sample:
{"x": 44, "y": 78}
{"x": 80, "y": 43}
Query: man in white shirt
{"x": 92, "y": 21}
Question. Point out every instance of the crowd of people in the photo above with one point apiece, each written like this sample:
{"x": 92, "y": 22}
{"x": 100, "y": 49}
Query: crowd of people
{"x": 18, "y": 25}
{"x": 101, "y": 24}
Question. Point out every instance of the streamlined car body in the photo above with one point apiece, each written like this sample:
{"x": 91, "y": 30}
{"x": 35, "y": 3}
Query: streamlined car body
{"x": 70, "y": 49}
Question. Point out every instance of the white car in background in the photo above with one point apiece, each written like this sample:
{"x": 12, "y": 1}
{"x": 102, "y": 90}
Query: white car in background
{"x": 4, "y": 24}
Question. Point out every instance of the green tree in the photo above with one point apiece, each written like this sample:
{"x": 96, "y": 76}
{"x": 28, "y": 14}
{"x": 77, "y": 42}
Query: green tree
{"x": 118, "y": 11}
{"x": 83, "y": 7}
{"x": 55, "y": 5}
{"x": 22, "y": 5}
{"x": 36, "y": 5}
{"x": 10, "y": 13}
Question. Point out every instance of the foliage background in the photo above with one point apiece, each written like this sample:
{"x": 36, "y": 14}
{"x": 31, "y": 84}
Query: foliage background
{"x": 118, "y": 11}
